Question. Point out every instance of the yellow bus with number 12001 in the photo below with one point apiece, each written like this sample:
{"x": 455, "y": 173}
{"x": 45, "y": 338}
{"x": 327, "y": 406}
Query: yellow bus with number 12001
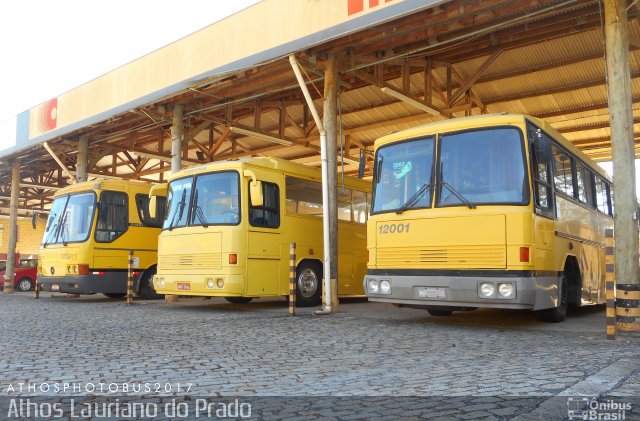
{"x": 489, "y": 211}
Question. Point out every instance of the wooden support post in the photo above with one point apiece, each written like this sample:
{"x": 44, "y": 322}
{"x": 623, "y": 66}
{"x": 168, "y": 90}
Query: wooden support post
{"x": 292, "y": 279}
{"x": 610, "y": 279}
{"x": 13, "y": 227}
{"x": 330, "y": 123}
{"x": 130, "y": 278}
{"x": 177, "y": 128}
{"x": 37, "y": 289}
{"x": 621, "y": 122}
{"x": 82, "y": 161}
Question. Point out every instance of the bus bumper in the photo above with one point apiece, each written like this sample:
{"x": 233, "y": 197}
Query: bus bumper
{"x": 110, "y": 283}
{"x": 208, "y": 286}
{"x": 529, "y": 292}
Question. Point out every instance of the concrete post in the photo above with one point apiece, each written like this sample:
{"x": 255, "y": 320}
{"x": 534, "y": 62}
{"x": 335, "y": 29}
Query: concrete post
{"x": 177, "y": 128}
{"x": 329, "y": 121}
{"x": 83, "y": 159}
{"x": 13, "y": 226}
{"x": 619, "y": 87}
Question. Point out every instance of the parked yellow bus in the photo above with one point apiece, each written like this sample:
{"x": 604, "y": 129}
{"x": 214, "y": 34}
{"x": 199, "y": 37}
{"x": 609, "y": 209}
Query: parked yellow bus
{"x": 90, "y": 229}
{"x": 489, "y": 211}
{"x": 229, "y": 224}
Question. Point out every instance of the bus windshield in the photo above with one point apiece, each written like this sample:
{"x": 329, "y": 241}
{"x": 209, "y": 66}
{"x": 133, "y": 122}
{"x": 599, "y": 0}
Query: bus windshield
{"x": 70, "y": 219}
{"x": 214, "y": 200}
{"x": 482, "y": 166}
{"x": 404, "y": 174}
{"x": 476, "y": 167}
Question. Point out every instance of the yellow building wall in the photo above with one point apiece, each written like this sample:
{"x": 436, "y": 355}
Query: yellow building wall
{"x": 28, "y": 238}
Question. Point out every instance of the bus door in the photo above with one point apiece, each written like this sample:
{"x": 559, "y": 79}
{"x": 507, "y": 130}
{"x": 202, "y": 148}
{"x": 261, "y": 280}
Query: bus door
{"x": 264, "y": 238}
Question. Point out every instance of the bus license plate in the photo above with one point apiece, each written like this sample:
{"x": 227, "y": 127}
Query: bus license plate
{"x": 433, "y": 293}
{"x": 55, "y": 287}
{"x": 185, "y": 286}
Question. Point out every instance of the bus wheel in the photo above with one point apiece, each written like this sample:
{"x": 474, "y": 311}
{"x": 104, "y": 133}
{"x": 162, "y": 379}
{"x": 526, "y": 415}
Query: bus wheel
{"x": 308, "y": 287}
{"x": 239, "y": 300}
{"x": 558, "y": 314}
{"x": 25, "y": 284}
{"x": 439, "y": 311}
{"x": 146, "y": 290}
{"x": 115, "y": 294}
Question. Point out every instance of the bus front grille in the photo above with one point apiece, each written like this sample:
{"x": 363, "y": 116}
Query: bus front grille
{"x": 450, "y": 257}
{"x": 204, "y": 262}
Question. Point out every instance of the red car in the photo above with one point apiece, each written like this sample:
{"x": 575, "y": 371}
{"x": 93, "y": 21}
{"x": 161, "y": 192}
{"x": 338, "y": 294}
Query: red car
{"x": 25, "y": 273}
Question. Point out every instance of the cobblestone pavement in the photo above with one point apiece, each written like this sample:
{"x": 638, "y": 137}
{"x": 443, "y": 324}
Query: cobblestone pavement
{"x": 369, "y": 361}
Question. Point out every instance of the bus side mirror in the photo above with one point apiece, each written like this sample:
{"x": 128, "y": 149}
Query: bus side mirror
{"x": 156, "y": 190}
{"x": 255, "y": 190}
{"x": 34, "y": 219}
{"x": 153, "y": 205}
{"x": 541, "y": 148}
{"x": 362, "y": 164}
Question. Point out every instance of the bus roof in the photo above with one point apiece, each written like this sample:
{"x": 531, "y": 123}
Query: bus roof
{"x": 463, "y": 123}
{"x": 105, "y": 184}
{"x": 287, "y": 167}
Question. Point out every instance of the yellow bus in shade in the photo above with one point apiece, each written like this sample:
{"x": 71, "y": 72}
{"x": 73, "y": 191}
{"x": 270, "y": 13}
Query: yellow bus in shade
{"x": 489, "y": 211}
{"x": 90, "y": 230}
{"x": 229, "y": 225}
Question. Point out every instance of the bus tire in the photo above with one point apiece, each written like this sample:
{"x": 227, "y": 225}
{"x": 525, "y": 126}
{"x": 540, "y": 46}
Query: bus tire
{"x": 239, "y": 300}
{"x": 558, "y": 314}
{"x": 308, "y": 284}
{"x": 115, "y": 294}
{"x": 439, "y": 312}
{"x": 146, "y": 289}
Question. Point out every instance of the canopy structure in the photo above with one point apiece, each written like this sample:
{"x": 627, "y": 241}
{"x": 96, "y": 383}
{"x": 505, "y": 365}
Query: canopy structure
{"x": 400, "y": 62}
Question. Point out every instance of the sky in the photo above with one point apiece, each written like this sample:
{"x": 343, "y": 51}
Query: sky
{"x": 50, "y": 47}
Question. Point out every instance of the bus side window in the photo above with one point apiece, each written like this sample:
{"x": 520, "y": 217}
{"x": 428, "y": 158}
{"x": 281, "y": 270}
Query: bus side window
{"x": 267, "y": 215}
{"x": 360, "y": 207}
{"x": 584, "y": 178}
{"x": 142, "y": 203}
{"x": 542, "y": 187}
{"x": 602, "y": 196}
{"x": 563, "y": 171}
{"x": 113, "y": 216}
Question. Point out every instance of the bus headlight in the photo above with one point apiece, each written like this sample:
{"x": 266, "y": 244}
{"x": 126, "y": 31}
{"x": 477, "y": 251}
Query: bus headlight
{"x": 487, "y": 289}
{"x": 506, "y": 290}
{"x": 210, "y": 283}
{"x": 161, "y": 283}
{"x": 373, "y": 285}
{"x": 385, "y": 287}
{"x": 220, "y": 282}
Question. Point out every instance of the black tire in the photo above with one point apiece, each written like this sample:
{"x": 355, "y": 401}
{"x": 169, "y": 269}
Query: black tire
{"x": 239, "y": 300}
{"x": 145, "y": 289}
{"x": 439, "y": 312}
{"x": 25, "y": 284}
{"x": 308, "y": 284}
{"x": 115, "y": 294}
{"x": 558, "y": 314}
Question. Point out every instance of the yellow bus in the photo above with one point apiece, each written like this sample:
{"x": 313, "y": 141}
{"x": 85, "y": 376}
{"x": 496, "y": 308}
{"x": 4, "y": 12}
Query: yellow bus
{"x": 90, "y": 230}
{"x": 229, "y": 224}
{"x": 489, "y": 211}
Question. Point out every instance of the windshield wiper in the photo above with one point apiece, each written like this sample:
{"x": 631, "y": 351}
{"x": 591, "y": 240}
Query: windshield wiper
{"x": 414, "y": 198}
{"x": 458, "y": 195}
{"x": 181, "y": 206}
{"x": 198, "y": 210}
{"x": 64, "y": 229}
